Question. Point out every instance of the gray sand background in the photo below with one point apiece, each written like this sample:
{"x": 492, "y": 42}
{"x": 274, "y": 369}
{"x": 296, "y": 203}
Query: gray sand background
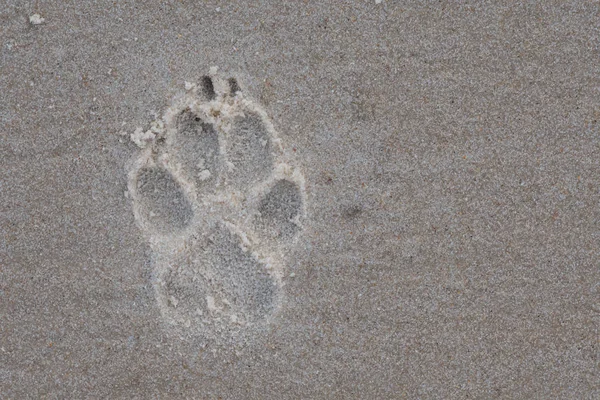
{"x": 451, "y": 155}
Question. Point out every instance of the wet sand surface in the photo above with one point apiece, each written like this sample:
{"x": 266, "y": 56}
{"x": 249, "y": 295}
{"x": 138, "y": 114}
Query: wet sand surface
{"x": 441, "y": 239}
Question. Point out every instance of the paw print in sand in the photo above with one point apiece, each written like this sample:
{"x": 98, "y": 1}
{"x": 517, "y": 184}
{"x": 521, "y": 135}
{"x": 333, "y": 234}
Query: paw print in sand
{"x": 218, "y": 201}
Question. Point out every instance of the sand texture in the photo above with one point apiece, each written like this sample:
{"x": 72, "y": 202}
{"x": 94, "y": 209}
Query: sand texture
{"x": 299, "y": 200}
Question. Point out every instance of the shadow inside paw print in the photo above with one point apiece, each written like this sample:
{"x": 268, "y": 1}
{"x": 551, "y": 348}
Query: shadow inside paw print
{"x": 216, "y": 196}
{"x": 217, "y": 274}
{"x": 194, "y": 144}
{"x": 250, "y": 151}
{"x": 162, "y": 201}
{"x": 279, "y": 210}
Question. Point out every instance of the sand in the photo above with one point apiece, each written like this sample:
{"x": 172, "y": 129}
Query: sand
{"x": 299, "y": 200}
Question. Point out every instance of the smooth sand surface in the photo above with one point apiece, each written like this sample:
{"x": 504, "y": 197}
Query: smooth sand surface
{"x": 448, "y": 245}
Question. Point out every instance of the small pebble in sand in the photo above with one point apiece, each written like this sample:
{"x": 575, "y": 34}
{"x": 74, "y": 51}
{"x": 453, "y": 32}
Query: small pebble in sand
{"x": 36, "y": 19}
{"x": 204, "y": 175}
{"x": 210, "y": 303}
